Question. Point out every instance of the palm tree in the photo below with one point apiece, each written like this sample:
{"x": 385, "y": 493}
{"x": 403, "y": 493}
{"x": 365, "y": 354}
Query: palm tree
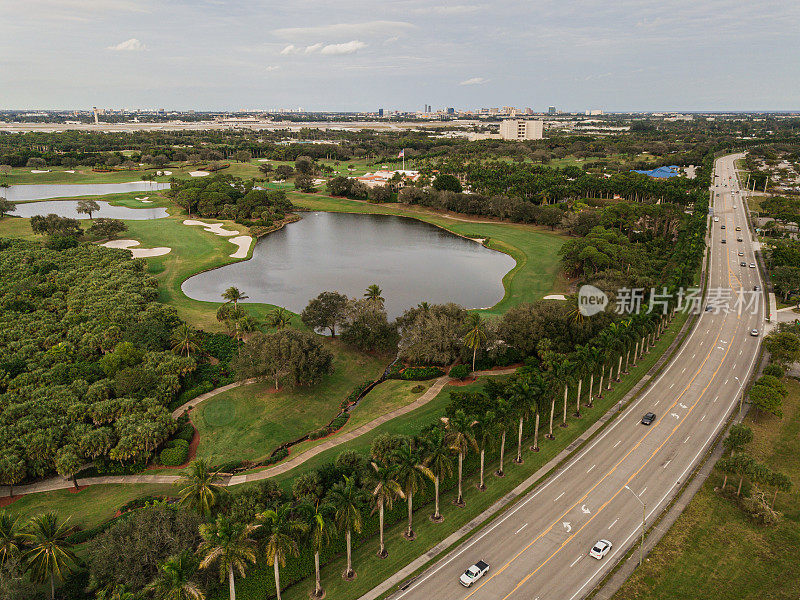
{"x": 227, "y": 543}
{"x": 438, "y": 459}
{"x": 282, "y": 531}
{"x": 583, "y": 357}
{"x": 505, "y": 414}
{"x": 411, "y": 475}
{"x": 520, "y": 393}
{"x": 199, "y": 488}
{"x": 385, "y": 488}
{"x": 184, "y": 339}
{"x": 460, "y": 438}
{"x": 475, "y": 336}
{"x": 373, "y": 294}
{"x": 348, "y": 502}
{"x": 11, "y": 537}
{"x": 49, "y": 555}
{"x": 279, "y": 317}
{"x": 318, "y": 525}
{"x": 232, "y": 294}
{"x": 595, "y": 358}
{"x": 484, "y": 429}
{"x": 174, "y": 580}
{"x": 563, "y": 371}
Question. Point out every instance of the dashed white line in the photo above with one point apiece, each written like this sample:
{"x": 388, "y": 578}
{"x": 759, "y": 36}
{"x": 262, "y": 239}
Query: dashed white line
{"x": 687, "y": 439}
{"x": 576, "y": 561}
{"x": 715, "y": 399}
{"x": 643, "y": 491}
{"x": 520, "y": 529}
{"x": 614, "y": 523}
{"x": 617, "y": 444}
{"x": 666, "y": 463}
{"x": 559, "y": 496}
{"x": 590, "y": 469}
{"x": 703, "y": 418}
{"x": 671, "y": 385}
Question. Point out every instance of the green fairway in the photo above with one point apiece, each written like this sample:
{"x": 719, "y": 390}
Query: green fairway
{"x": 713, "y": 552}
{"x": 249, "y": 422}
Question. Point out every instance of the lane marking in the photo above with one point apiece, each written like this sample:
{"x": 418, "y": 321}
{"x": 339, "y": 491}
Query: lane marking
{"x": 590, "y": 469}
{"x": 559, "y": 496}
{"x": 687, "y": 439}
{"x": 643, "y": 491}
{"x": 576, "y": 561}
{"x": 614, "y": 523}
{"x": 666, "y": 463}
{"x": 617, "y": 444}
{"x": 703, "y": 418}
{"x": 520, "y": 529}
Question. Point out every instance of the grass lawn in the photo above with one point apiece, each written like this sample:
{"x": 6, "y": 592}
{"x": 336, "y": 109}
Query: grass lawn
{"x": 713, "y": 552}
{"x": 249, "y": 422}
{"x": 89, "y": 507}
{"x": 15, "y": 227}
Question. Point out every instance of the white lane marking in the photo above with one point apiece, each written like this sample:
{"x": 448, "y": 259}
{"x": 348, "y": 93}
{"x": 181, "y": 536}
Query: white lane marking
{"x": 684, "y": 370}
{"x": 614, "y": 523}
{"x": 671, "y": 385}
{"x": 687, "y": 439}
{"x": 695, "y": 354}
{"x": 559, "y": 496}
{"x": 585, "y": 510}
{"x": 666, "y": 463}
{"x": 617, "y": 444}
{"x": 567, "y": 526}
{"x": 656, "y": 403}
{"x": 726, "y": 382}
{"x": 703, "y": 419}
{"x": 576, "y": 561}
{"x": 643, "y": 491}
{"x": 590, "y": 469}
{"x": 520, "y": 529}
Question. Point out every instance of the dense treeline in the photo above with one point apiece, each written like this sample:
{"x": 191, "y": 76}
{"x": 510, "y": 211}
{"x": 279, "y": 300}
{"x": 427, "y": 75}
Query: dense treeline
{"x": 86, "y": 367}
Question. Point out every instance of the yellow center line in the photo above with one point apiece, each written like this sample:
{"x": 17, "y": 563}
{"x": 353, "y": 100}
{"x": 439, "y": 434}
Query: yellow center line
{"x": 609, "y": 473}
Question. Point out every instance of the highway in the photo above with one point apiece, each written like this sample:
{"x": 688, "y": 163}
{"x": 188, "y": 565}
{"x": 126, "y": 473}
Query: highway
{"x": 539, "y": 549}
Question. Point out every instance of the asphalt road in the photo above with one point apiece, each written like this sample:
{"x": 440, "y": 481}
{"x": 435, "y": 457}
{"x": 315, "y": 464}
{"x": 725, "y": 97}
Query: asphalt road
{"x": 540, "y": 549}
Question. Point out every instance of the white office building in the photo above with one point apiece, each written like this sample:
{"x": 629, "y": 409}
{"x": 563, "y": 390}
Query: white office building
{"x": 521, "y": 129}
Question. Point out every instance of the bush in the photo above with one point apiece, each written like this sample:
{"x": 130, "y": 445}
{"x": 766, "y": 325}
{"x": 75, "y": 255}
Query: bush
{"x": 357, "y": 391}
{"x": 418, "y": 389}
{"x": 394, "y": 370}
{"x": 420, "y": 373}
{"x": 277, "y": 457}
{"x": 185, "y": 433}
{"x": 774, "y": 370}
{"x": 191, "y": 394}
{"x": 175, "y": 453}
{"x": 459, "y": 371}
{"x": 104, "y": 466}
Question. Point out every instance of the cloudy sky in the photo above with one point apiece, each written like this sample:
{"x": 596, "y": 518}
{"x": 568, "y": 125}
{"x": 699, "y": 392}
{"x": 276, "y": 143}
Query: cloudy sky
{"x": 401, "y": 54}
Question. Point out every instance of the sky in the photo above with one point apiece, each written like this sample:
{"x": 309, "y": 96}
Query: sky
{"x": 346, "y": 55}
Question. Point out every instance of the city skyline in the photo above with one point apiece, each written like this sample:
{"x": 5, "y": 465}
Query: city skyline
{"x": 633, "y": 56}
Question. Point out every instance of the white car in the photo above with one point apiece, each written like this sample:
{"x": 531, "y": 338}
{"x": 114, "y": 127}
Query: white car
{"x": 754, "y": 332}
{"x": 475, "y": 572}
{"x": 600, "y": 549}
{"x": 716, "y": 219}
{"x": 752, "y": 265}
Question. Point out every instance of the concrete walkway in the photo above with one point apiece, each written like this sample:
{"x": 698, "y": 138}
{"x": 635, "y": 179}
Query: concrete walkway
{"x": 59, "y": 483}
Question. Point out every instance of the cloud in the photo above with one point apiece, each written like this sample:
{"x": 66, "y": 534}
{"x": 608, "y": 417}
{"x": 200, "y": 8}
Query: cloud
{"x": 290, "y": 49}
{"x": 313, "y": 48}
{"x": 346, "y": 48}
{"x": 344, "y": 29}
{"x": 456, "y": 9}
{"x": 131, "y": 45}
{"x": 474, "y": 81}
{"x": 271, "y": 68}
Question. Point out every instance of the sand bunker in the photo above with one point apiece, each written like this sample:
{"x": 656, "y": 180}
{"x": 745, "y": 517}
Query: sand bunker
{"x": 137, "y": 252}
{"x": 38, "y": 171}
{"x": 555, "y": 297}
{"x": 167, "y": 172}
{"x": 242, "y": 241}
{"x": 69, "y": 171}
{"x": 263, "y": 160}
{"x": 142, "y": 199}
{"x": 199, "y": 173}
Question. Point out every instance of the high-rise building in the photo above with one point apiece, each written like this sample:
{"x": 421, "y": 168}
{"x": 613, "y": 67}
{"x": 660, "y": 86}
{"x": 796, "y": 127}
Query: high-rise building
{"x": 380, "y": 112}
{"x": 521, "y": 129}
{"x": 551, "y": 110}
{"x": 451, "y": 110}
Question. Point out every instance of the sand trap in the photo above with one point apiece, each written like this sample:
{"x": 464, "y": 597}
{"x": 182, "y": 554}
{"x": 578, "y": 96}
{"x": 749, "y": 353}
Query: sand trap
{"x": 142, "y": 199}
{"x": 199, "y": 173}
{"x": 167, "y": 172}
{"x": 243, "y": 241}
{"x": 136, "y": 252}
{"x": 555, "y": 297}
{"x": 319, "y": 181}
{"x": 212, "y": 227}
{"x": 69, "y": 171}
{"x": 263, "y": 160}
{"x": 37, "y": 171}
{"x": 147, "y": 201}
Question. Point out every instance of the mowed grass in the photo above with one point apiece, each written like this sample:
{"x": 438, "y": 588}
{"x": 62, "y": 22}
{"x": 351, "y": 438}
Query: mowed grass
{"x": 535, "y": 249}
{"x": 249, "y": 422}
{"x": 713, "y": 552}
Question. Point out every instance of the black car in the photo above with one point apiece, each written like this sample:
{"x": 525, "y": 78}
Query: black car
{"x": 648, "y": 418}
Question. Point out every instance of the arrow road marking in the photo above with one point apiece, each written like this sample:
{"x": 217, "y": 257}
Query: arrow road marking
{"x": 585, "y": 510}
{"x": 567, "y": 526}
{"x": 682, "y": 405}
{"x": 674, "y": 415}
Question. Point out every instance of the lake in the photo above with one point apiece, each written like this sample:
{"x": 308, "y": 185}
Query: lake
{"x": 410, "y": 260}
{"x": 68, "y": 208}
{"x": 22, "y": 193}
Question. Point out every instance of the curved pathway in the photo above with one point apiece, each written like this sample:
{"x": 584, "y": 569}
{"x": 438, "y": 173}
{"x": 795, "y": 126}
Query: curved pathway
{"x": 59, "y": 483}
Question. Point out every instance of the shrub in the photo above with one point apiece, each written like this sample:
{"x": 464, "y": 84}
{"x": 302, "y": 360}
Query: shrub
{"x": 459, "y": 371}
{"x": 175, "y": 453}
{"x": 420, "y": 373}
{"x": 395, "y": 370}
{"x": 418, "y": 389}
{"x": 277, "y": 457}
{"x": 185, "y": 433}
{"x": 774, "y": 370}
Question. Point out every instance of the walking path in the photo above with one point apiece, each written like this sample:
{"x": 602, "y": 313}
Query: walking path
{"x": 59, "y": 483}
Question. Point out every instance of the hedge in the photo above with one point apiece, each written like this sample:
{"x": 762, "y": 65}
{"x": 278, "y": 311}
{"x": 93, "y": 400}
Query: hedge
{"x": 459, "y": 371}
{"x": 420, "y": 373}
{"x": 175, "y": 453}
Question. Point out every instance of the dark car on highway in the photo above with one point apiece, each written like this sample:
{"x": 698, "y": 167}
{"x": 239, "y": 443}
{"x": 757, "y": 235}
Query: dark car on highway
{"x": 648, "y": 418}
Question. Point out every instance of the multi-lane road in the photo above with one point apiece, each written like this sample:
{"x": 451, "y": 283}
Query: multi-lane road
{"x": 539, "y": 549}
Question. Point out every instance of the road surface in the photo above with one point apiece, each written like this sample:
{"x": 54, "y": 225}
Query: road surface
{"x": 539, "y": 550}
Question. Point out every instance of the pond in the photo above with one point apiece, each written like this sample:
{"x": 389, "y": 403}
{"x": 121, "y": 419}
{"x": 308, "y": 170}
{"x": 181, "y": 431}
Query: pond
{"x": 22, "y": 193}
{"x": 68, "y": 208}
{"x": 410, "y": 260}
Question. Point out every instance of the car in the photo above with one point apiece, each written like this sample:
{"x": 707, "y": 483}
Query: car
{"x": 722, "y": 227}
{"x": 756, "y": 288}
{"x": 741, "y": 253}
{"x": 752, "y": 265}
{"x": 475, "y": 572}
{"x": 600, "y": 549}
{"x": 739, "y": 239}
{"x": 738, "y": 228}
{"x": 709, "y": 308}
{"x": 648, "y": 418}
{"x": 724, "y": 241}
{"x": 742, "y": 264}
{"x": 754, "y": 332}
{"x": 734, "y": 207}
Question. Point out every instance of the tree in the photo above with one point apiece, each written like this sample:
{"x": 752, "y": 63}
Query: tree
{"x": 411, "y": 474}
{"x": 49, "y": 555}
{"x": 232, "y": 294}
{"x": 12, "y": 469}
{"x": 6, "y": 207}
{"x": 437, "y": 457}
{"x": 326, "y": 311}
{"x": 36, "y": 162}
{"x": 68, "y": 463}
{"x": 432, "y": 334}
{"x": 348, "y": 502}
{"x": 766, "y": 399}
{"x": 447, "y": 182}
{"x": 475, "y": 336}
{"x": 174, "y": 581}
{"x": 283, "y": 172}
{"x": 279, "y": 318}
{"x": 385, "y": 488}
{"x": 242, "y": 156}
{"x": 304, "y": 183}
{"x": 11, "y": 537}
{"x": 282, "y": 530}
{"x": 266, "y": 169}
{"x": 87, "y": 207}
{"x": 367, "y": 328}
{"x": 227, "y": 544}
{"x": 740, "y": 435}
{"x": 373, "y": 295}
{"x": 105, "y": 228}
{"x": 317, "y": 520}
{"x": 199, "y": 489}
{"x": 781, "y": 483}
{"x": 184, "y": 340}
{"x": 379, "y": 193}
{"x": 54, "y": 225}
{"x": 484, "y": 428}
{"x": 784, "y": 347}
{"x": 460, "y": 438}
{"x": 304, "y": 165}
{"x": 339, "y": 186}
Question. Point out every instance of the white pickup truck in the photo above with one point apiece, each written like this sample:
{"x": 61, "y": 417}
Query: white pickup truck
{"x": 475, "y": 572}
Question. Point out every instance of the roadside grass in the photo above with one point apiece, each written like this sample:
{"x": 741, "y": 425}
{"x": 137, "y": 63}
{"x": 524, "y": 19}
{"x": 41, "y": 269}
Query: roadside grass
{"x": 89, "y": 507}
{"x": 249, "y": 422}
{"x": 713, "y": 552}
{"x": 371, "y": 570}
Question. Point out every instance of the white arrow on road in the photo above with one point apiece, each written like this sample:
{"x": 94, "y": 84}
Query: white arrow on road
{"x": 682, "y": 405}
{"x": 585, "y": 510}
{"x": 674, "y": 415}
{"x": 567, "y": 526}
